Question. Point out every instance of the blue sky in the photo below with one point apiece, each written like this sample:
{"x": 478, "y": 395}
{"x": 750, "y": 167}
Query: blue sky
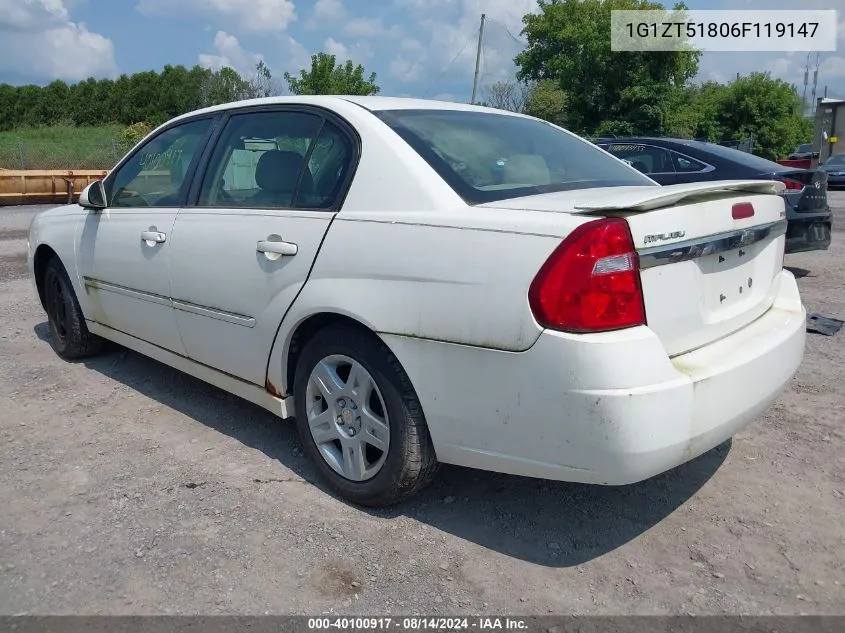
{"x": 422, "y": 48}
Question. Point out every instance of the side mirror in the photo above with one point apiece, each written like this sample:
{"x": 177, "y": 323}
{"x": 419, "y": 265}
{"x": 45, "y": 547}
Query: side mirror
{"x": 93, "y": 196}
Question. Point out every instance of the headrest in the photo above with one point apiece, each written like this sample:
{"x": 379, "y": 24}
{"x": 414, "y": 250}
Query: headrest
{"x": 277, "y": 171}
{"x": 527, "y": 169}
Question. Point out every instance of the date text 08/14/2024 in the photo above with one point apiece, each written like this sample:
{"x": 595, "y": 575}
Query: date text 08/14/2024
{"x": 416, "y": 623}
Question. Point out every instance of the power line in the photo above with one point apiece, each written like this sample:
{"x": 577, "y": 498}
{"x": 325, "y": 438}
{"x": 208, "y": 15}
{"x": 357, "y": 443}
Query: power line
{"x": 508, "y": 31}
{"x": 454, "y": 59}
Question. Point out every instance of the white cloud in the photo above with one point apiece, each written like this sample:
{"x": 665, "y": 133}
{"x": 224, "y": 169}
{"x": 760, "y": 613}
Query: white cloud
{"x": 368, "y": 28}
{"x": 832, "y": 67}
{"x": 453, "y": 25}
{"x": 230, "y": 53}
{"x": 445, "y": 96}
{"x": 296, "y": 56}
{"x": 56, "y": 48}
{"x": 411, "y": 45}
{"x": 32, "y": 15}
{"x": 779, "y": 67}
{"x": 405, "y": 70}
{"x": 327, "y": 12}
{"x": 260, "y": 16}
{"x": 333, "y": 47}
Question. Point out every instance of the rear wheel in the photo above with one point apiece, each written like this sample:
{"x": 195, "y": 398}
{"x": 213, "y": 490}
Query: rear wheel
{"x": 359, "y": 418}
{"x": 70, "y": 336}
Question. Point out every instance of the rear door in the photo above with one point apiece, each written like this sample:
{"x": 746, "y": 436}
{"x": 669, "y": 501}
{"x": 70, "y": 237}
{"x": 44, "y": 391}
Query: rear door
{"x": 242, "y": 252}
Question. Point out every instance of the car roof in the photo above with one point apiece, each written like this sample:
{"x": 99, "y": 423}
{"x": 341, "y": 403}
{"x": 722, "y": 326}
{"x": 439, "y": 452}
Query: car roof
{"x": 653, "y": 139}
{"x": 374, "y": 104}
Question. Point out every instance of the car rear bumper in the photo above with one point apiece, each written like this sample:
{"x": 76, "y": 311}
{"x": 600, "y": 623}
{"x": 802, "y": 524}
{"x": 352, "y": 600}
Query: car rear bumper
{"x": 607, "y": 408}
{"x": 809, "y": 232}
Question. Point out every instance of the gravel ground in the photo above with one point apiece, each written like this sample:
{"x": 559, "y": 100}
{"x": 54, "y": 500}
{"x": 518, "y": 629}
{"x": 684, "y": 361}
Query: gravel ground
{"x": 128, "y": 488}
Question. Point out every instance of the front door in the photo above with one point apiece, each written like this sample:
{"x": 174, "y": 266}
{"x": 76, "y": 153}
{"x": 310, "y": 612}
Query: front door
{"x": 123, "y": 251}
{"x": 242, "y": 253}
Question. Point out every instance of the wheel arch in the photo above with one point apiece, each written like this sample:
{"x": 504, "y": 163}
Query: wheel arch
{"x": 43, "y": 254}
{"x": 304, "y": 331}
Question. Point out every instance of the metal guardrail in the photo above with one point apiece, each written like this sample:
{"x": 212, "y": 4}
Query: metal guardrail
{"x": 44, "y": 186}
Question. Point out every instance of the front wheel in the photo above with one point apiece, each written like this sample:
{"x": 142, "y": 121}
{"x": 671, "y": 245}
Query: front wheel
{"x": 70, "y": 336}
{"x": 360, "y": 420}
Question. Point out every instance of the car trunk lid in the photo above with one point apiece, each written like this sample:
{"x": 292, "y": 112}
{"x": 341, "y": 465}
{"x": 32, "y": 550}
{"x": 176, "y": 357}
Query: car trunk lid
{"x": 710, "y": 253}
{"x": 806, "y": 189}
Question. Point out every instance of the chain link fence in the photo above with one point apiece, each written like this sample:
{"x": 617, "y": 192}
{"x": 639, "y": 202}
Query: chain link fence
{"x": 21, "y": 153}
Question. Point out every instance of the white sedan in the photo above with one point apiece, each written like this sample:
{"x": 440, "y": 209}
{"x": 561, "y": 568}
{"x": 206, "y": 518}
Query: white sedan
{"x": 421, "y": 283}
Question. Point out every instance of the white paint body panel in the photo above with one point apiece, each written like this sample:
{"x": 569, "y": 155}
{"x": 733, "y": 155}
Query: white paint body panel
{"x": 445, "y": 286}
{"x": 132, "y": 291}
{"x": 606, "y": 408}
{"x": 229, "y": 299}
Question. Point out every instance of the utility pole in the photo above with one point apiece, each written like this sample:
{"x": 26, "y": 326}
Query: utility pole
{"x": 478, "y": 59}
{"x": 815, "y": 78}
{"x": 806, "y": 81}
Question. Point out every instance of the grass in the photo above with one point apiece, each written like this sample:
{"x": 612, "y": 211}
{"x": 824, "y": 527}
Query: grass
{"x": 62, "y": 147}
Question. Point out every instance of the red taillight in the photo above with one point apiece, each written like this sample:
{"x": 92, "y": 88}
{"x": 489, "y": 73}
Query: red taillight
{"x": 792, "y": 185}
{"x": 591, "y": 282}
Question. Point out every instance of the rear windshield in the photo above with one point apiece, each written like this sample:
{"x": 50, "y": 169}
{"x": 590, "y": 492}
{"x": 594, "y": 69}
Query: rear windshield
{"x": 487, "y": 157}
{"x": 737, "y": 156}
{"x": 803, "y": 149}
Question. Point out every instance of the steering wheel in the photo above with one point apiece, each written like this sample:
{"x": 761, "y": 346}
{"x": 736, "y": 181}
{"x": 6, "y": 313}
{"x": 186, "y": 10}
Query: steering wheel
{"x": 127, "y": 193}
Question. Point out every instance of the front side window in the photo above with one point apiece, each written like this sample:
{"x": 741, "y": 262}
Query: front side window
{"x": 276, "y": 160}
{"x": 486, "y": 157}
{"x": 155, "y": 175}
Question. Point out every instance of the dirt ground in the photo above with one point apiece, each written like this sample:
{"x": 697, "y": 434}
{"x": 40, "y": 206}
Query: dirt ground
{"x": 128, "y": 488}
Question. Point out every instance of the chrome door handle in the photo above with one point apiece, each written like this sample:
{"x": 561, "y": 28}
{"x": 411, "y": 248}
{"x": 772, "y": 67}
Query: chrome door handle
{"x": 269, "y": 248}
{"x": 153, "y": 236}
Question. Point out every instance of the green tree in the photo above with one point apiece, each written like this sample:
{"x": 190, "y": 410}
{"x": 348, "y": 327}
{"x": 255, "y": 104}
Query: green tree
{"x": 769, "y": 109}
{"x": 569, "y": 42}
{"x": 261, "y": 83}
{"x": 327, "y": 77}
{"x": 547, "y": 101}
{"x": 507, "y": 95}
{"x": 222, "y": 86}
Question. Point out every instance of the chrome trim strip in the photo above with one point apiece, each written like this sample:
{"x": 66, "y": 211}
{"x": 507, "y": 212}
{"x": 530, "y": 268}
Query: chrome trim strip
{"x": 96, "y": 284}
{"x": 228, "y": 317}
{"x": 720, "y": 243}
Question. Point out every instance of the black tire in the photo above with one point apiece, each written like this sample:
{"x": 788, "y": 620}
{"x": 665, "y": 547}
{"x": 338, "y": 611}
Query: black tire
{"x": 70, "y": 336}
{"x": 410, "y": 464}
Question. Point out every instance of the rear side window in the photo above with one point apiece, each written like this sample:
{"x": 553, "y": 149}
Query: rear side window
{"x": 645, "y": 158}
{"x": 687, "y": 165}
{"x": 487, "y": 157}
{"x": 281, "y": 160}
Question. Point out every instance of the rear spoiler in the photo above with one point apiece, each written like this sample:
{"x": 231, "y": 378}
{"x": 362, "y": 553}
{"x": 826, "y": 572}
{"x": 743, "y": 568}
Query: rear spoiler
{"x": 650, "y": 198}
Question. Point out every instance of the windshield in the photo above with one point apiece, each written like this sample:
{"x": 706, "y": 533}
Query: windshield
{"x": 803, "y": 149}
{"x": 836, "y": 160}
{"x": 487, "y": 157}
